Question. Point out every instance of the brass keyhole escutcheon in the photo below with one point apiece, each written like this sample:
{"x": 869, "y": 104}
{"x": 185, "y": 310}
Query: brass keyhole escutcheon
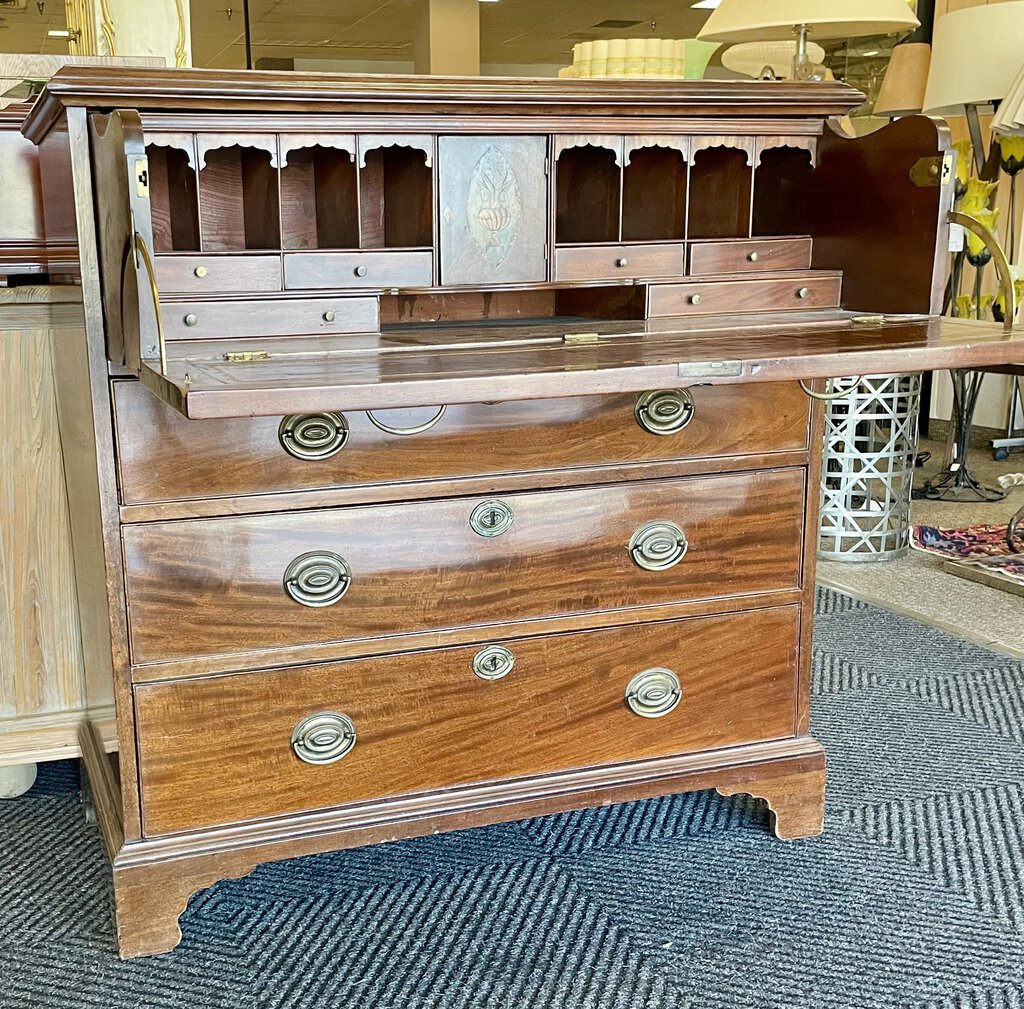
{"x": 493, "y": 662}
{"x": 664, "y": 411}
{"x": 491, "y": 518}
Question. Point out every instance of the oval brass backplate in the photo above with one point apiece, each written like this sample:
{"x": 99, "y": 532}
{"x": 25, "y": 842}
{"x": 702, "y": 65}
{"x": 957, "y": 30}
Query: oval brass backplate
{"x": 653, "y": 693}
{"x": 324, "y": 737}
{"x": 313, "y": 436}
{"x": 664, "y": 411}
{"x": 317, "y": 579}
{"x": 658, "y": 546}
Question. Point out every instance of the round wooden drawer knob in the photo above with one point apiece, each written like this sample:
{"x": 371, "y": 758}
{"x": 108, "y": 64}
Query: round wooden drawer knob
{"x": 622, "y": 262}
{"x": 753, "y": 257}
{"x": 200, "y": 271}
{"x": 804, "y": 293}
{"x": 695, "y": 299}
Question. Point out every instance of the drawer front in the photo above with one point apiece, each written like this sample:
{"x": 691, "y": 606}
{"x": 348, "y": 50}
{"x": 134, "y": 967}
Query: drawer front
{"x": 340, "y": 270}
{"x": 608, "y": 262}
{"x": 217, "y": 274}
{"x": 744, "y": 296}
{"x": 211, "y": 320}
{"x": 750, "y": 257}
{"x": 163, "y": 456}
{"x": 220, "y": 749}
{"x": 220, "y": 586}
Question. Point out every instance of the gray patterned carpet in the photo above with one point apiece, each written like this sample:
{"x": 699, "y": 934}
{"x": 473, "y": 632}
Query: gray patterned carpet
{"x": 914, "y": 897}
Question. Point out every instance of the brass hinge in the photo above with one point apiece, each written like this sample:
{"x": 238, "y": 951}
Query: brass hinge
{"x": 241, "y": 356}
{"x": 933, "y": 171}
{"x": 142, "y": 177}
{"x": 581, "y": 338}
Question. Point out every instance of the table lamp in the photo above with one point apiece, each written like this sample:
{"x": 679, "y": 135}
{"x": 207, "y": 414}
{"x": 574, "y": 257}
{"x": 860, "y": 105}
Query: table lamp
{"x": 1010, "y": 119}
{"x": 765, "y": 20}
{"x": 902, "y": 91}
{"x": 976, "y": 54}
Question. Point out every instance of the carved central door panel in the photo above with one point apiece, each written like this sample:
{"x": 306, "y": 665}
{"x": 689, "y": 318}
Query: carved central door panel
{"x": 494, "y": 209}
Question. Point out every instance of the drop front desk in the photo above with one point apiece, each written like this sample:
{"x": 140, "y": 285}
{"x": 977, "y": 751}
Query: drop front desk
{"x": 449, "y": 458}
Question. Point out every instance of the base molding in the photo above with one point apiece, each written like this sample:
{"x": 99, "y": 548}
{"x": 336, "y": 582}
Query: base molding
{"x": 155, "y": 877}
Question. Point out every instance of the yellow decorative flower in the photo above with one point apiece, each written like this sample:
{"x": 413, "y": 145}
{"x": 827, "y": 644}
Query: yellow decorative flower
{"x": 976, "y": 197}
{"x": 963, "y": 166}
{"x": 977, "y": 253}
{"x": 999, "y": 311}
{"x": 965, "y": 306}
{"x": 1011, "y": 153}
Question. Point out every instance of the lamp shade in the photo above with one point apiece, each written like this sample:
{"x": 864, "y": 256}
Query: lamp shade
{"x": 751, "y": 58}
{"x": 902, "y": 92}
{"x": 976, "y": 54}
{"x": 764, "y": 20}
{"x": 1011, "y": 113}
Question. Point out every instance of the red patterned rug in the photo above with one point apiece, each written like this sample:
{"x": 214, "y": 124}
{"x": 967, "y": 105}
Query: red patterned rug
{"x": 984, "y": 545}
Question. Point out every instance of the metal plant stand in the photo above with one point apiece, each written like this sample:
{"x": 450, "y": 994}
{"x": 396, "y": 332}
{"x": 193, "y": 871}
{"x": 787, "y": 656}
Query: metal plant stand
{"x": 956, "y": 482}
{"x": 868, "y": 470}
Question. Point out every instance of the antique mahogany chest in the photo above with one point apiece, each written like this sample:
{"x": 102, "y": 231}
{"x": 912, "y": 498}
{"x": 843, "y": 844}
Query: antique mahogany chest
{"x": 444, "y": 451}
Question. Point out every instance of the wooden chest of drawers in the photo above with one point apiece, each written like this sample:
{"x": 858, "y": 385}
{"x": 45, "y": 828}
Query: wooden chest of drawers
{"x": 445, "y": 467}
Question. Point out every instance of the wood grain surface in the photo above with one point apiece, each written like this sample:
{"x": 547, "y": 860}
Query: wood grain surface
{"x": 41, "y": 667}
{"x": 218, "y": 750}
{"x": 162, "y": 456}
{"x": 754, "y": 256}
{"x": 205, "y": 586}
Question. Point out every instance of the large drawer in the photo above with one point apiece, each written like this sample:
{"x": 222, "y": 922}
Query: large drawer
{"x": 163, "y": 456}
{"x": 219, "y": 586}
{"x": 225, "y": 749}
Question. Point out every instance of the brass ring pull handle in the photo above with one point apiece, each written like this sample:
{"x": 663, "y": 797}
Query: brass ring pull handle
{"x": 827, "y": 397}
{"x": 653, "y": 693}
{"x": 324, "y": 738}
{"x": 317, "y": 579}
{"x": 139, "y": 248}
{"x": 664, "y": 411}
{"x": 1002, "y": 264}
{"x": 658, "y": 546}
{"x": 493, "y": 662}
{"x": 418, "y": 429}
{"x": 312, "y": 436}
{"x": 491, "y": 518}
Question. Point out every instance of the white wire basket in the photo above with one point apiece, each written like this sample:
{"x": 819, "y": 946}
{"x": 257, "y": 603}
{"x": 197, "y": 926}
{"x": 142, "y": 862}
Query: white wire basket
{"x": 868, "y": 468}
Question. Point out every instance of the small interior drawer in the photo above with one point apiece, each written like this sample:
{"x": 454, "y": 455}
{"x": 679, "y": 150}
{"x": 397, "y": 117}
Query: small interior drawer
{"x": 202, "y": 587}
{"x": 757, "y": 256}
{"x": 211, "y": 320}
{"x": 339, "y": 270}
{"x": 608, "y": 262}
{"x": 708, "y": 298}
{"x": 217, "y": 274}
{"x": 230, "y": 748}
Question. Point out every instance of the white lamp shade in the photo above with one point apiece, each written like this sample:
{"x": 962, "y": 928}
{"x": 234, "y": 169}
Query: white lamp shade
{"x": 976, "y": 54}
{"x": 1011, "y": 113}
{"x": 765, "y": 20}
{"x": 752, "y": 57}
